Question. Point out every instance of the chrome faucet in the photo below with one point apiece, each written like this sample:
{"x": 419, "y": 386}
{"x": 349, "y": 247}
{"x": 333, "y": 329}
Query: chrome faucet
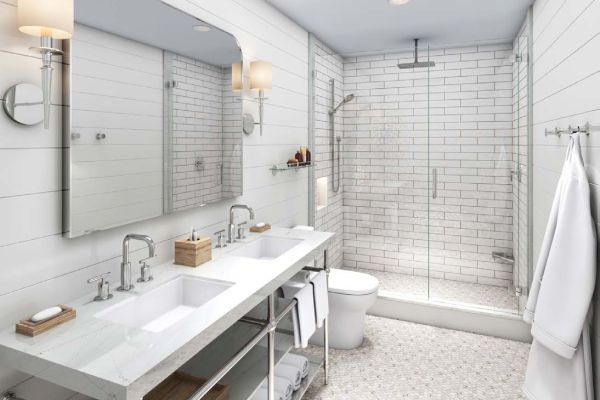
{"x": 231, "y": 226}
{"x": 126, "y": 284}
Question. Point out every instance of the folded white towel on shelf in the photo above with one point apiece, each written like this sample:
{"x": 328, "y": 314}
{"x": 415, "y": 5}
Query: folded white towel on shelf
{"x": 282, "y": 385}
{"x": 290, "y": 373}
{"x": 263, "y": 394}
{"x": 303, "y": 314}
{"x": 298, "y": 361}
{"x": 321, "y": 295}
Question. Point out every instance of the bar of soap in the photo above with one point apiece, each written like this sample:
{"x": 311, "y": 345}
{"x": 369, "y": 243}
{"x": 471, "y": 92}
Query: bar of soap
{"x": 47, "y": 313}
{"x": 260, "y": 224}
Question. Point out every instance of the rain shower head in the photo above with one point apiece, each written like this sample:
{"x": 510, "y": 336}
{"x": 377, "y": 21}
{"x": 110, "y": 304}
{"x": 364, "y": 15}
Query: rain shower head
{"x": 346, "y": 99}
{"x": 417, "y": 63}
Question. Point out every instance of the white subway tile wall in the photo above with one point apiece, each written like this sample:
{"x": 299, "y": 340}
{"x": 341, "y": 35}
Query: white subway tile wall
{"x": 456, "y": 117}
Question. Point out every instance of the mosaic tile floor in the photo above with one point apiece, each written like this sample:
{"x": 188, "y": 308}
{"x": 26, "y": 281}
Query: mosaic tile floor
{"x": 445, "y": 290}
{"x": 402, "y": 360}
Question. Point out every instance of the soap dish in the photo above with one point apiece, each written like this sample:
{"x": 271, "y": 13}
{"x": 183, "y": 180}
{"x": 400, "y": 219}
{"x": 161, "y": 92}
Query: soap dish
{"x": 262, "y": 229}
{"x": 29, "y": 328}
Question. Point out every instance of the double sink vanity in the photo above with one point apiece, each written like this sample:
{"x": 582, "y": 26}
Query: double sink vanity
{"x": 125, "y": 346}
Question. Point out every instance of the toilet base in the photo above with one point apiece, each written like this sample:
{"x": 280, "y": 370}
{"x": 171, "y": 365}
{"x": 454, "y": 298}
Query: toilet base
{"x": 342, "y": 335}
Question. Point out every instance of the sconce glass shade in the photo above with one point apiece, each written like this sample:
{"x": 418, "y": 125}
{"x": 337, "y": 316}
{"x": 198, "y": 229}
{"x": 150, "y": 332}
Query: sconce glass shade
{"x": 236, "y": 76}
{"x": 261, "y": 75}
{"x": 49, "y": 18}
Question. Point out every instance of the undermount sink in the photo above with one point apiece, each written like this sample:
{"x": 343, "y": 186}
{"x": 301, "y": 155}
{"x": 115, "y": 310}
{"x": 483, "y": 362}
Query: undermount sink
{"x": 165, "y": 305}
{"x": 267, "y": 247}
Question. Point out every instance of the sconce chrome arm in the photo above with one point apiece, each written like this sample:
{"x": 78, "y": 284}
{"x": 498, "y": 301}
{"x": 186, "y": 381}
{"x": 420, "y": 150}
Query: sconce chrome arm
{"x": 47, "y": 51}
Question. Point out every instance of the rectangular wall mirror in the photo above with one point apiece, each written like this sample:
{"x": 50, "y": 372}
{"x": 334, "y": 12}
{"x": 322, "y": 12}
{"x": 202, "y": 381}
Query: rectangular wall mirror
{"x": 154, "y": 124}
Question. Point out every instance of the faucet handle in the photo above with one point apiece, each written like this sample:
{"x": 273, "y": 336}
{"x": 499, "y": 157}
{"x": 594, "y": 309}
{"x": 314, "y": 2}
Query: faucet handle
{"x": 145, "y": 275}
{"x": 240, "y": 230}
{"x": 103, "y": 286}
{"x": 220, "y": 239}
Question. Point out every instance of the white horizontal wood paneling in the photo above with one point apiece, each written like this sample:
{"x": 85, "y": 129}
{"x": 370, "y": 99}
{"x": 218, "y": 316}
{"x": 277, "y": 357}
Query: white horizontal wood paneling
{"x": 39, "y": 267}
{"x": 566, "y": 91}
{"x": 116, "y": 82}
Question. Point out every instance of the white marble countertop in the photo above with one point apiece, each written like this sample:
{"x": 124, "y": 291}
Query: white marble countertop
{"x": 106, "y": 360}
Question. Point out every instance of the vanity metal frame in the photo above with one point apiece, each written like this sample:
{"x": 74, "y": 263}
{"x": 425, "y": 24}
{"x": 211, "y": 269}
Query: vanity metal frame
{"x": 268, "y": 330}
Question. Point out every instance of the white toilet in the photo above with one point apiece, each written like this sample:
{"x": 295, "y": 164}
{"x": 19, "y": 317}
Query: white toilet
{"x": 351, "y": 294}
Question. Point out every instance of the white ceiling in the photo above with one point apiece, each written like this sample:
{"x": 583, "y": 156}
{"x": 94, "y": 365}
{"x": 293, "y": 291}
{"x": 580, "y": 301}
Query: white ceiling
{"x": 366, "y": 26}
{"x": 154, "y": 23}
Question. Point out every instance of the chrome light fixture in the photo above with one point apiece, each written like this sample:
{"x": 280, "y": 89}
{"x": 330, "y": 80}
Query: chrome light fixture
{"x": 261, "y": 79}
{"x": 48, "y": 20}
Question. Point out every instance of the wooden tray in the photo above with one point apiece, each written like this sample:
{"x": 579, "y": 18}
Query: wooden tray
{"x": 181, "y": 386}
{"x": 29, "y": 328}
{"x": 260, "y": 230}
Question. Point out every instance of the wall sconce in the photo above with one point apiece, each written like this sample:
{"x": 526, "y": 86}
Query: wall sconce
{"x": 236, "y": 77}
{"x": 47, "y": 19}
{"x": 261, "y": 79}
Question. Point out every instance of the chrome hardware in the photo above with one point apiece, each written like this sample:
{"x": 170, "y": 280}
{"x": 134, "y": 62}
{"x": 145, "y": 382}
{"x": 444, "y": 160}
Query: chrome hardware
{"x": 220, "y": 239}
{"x": 231, "y": 226}
{"x": 9, "y": 396}
{"x": 126, "y": 284}
{"x": 518, "y": 173}
{"x": 100, "y": 136}
{"x": 199, "y": 165}
{"x": 74, "y": 135}
{"x": 103, "y": 287}
{"x": 171, "y": 84}
{"x": 145, "y": 275}
{"x": 241, "y": 227}
{"x": 435, "y": 179}
{"x": 503, "y": 257}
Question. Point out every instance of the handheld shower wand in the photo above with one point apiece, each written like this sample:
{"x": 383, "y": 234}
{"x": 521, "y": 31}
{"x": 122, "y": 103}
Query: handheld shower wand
{"x": 334, "y": 138}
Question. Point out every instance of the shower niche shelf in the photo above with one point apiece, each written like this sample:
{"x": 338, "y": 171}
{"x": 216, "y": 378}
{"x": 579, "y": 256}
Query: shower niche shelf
{"x": 285, "y": 167}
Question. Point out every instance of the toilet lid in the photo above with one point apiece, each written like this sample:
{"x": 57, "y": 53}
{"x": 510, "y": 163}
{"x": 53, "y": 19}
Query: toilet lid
{"x": 350, "y": 282}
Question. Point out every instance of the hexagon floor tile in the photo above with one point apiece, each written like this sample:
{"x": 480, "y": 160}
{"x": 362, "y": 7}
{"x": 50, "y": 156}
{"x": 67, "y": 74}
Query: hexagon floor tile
{"x": 402, "y": 360}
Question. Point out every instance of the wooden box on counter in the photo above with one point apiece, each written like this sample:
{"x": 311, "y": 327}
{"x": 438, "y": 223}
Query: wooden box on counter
{"x": 193, "y": 253}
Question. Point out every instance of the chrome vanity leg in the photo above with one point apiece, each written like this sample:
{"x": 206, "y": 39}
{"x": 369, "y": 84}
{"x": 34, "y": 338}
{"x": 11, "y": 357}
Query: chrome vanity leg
{"x": 326, "y": 327}
{"x": 271, "y": 346}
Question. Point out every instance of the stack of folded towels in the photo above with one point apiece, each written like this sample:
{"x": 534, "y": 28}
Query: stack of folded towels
{"x": 288, "y": 378}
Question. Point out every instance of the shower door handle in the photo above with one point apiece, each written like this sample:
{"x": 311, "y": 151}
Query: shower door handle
{"x": 434, "y": 189}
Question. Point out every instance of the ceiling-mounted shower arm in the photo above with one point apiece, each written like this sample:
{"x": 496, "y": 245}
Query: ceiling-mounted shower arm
{"x": 416, "y": 51}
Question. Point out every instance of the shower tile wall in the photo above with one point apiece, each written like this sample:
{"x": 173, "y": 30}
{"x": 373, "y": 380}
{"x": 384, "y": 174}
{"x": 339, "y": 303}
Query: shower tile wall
{"x": 328, "y": 65}
{"x": 197, "y": 131}
{"x": 386, "y": 182}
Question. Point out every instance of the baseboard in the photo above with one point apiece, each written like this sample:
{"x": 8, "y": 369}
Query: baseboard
{"x": 483, "y": 321}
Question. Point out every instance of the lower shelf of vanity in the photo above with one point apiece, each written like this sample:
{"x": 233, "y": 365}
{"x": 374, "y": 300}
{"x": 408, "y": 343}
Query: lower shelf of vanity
{"x": 245, "y": 378}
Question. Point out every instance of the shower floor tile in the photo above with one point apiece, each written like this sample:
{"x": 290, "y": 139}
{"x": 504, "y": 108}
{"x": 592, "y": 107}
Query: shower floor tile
{"x": 445, "y": 290}
{"x": 402, "y": 360}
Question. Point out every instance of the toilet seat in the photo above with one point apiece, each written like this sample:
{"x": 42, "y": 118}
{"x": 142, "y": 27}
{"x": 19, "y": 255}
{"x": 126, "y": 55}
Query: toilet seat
{"x": 352, "y": 283}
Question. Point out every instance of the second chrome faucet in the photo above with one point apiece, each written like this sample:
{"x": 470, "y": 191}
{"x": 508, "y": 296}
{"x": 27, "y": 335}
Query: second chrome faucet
{"x": 231, "y": 226}
{"x": 126, "y": 284}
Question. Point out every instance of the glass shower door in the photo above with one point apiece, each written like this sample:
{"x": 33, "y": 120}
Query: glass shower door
{"x": 478, "y": 176}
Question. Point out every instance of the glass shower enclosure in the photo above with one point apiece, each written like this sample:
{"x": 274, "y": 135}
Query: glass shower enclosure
{"x": 434, "y": 169}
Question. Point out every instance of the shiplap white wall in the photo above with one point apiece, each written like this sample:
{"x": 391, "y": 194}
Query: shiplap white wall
{"x": 117, "y": 91}
{"x": 39, "y": 267}
{"x": 566, "y": 91}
